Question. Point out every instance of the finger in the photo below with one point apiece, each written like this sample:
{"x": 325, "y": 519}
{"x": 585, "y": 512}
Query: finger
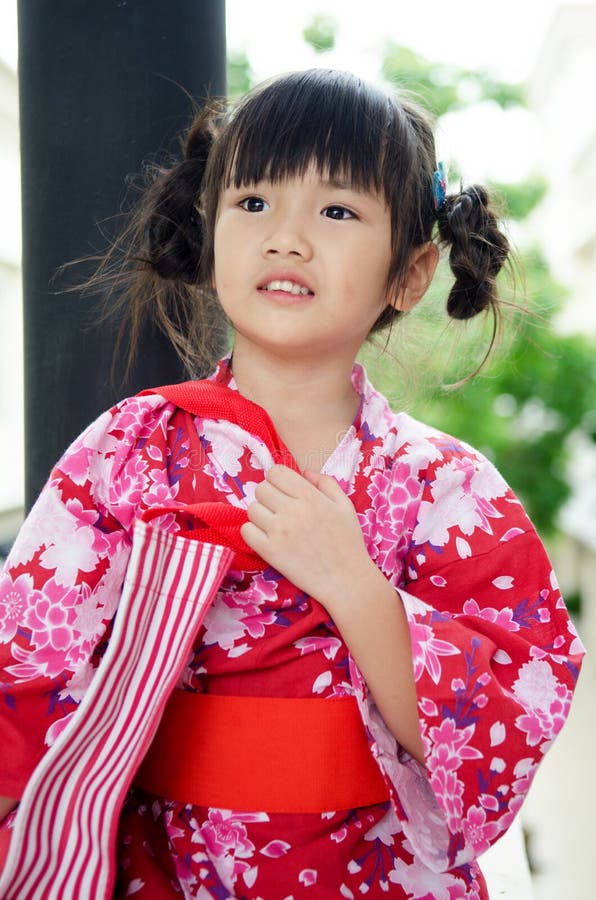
{"x": 261, "y": 516}
{"x": 287, "y": 480}
{"x": 254, "y": 537}
{"x": 312, "y": 476}
{"x": 270, "y": 495}
{"x": 326, "y": 484}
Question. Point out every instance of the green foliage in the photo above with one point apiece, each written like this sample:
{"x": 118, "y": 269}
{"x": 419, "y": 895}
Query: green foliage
{"x": 442, "y": 87}
{"x": 521, "y": 197}
{"x": 433, "y": 84}
{"x": 239, "y": 74}
{"x": 503, "y": 93}
{"x": 320, "y": 33}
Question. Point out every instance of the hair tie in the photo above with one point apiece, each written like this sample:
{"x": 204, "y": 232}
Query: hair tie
{"x": 439, "y": 186}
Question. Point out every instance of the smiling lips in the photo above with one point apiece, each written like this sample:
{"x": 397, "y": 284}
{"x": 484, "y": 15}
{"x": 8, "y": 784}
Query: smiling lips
{"x": 287, "y": 287}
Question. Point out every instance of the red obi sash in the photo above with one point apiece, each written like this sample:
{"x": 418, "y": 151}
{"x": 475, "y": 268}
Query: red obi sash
{"x": 277, "y": 754}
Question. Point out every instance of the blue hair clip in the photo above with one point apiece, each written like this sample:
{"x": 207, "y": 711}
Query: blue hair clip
{"x": 439, "y": 186}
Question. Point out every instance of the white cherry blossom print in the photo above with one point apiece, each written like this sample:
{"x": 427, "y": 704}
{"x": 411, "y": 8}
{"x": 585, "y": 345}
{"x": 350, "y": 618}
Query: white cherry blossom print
{"x": 421, "y": 883}
{"x": 76, "y": 687}
{"x": 70, "y": 554}
{"x": 16, "y": 595}
{"x": 536, "y": 685}
{"x": 229, "y": 443}
{"x": 452, "y": 505}
{"x": 346, "y": 458}
{"x": 234, "y": 614}
{"x": 48, "y": 507}
{"x": 546, "y": 699}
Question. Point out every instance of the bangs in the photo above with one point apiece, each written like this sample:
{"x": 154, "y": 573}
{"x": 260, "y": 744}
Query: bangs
{"x": 329, "y": 120}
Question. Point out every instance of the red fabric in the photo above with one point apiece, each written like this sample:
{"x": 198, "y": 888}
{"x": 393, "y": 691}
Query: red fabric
{"x": 213, "y": 400}
{"x": 5, "y": 835}
{"x": 194, "y": 757}
{"x": 213, "y": 523}
{"x": 218, "y": 522}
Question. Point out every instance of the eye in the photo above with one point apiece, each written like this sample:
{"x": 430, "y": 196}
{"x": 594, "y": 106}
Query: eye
{"x": 338, "y": 212}
{"x": 253, "y": 204}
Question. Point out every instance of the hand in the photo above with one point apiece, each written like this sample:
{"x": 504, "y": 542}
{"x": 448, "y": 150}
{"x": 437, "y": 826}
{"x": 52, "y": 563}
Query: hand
{"x": 307, "y": 528}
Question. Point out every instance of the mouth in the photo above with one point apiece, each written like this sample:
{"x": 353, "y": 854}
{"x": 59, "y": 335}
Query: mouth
{"x": 286, "y": 287}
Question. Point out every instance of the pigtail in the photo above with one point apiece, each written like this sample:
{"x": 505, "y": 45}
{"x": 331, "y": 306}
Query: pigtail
{"x": 156, "y": 272}
{"x": 468, "y": 222}
{"x": 173, "y": 232}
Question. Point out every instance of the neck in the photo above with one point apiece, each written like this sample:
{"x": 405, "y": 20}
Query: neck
{"x": 296, "y": 390}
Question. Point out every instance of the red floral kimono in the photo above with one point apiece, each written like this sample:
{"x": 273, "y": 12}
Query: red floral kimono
{"x": 495, "y": 654}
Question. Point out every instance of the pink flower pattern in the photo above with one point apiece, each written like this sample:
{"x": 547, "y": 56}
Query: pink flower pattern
{"x": 495, "y": 655}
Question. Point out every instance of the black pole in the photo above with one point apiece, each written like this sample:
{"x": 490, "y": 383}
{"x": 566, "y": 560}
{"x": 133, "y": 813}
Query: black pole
{"x": 104, "y": 84}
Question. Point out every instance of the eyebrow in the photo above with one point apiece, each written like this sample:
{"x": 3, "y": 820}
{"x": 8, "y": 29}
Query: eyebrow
{"x": 365, "y": 193}
{"x": 338, "y": 183}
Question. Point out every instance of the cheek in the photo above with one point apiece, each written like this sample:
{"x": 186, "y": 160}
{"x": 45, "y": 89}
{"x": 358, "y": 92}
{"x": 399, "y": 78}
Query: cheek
{"x": 227, "y": 249}
{"x": 383, "y": 265}
{"x": 373, "y": 273}
{"x": 220, "y": 253}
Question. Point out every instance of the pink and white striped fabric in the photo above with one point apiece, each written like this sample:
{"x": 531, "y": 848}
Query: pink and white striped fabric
{"x": 63, "y": 844}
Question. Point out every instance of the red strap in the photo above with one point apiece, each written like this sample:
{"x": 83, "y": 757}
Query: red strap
{"x": 276, "y": 754}
{"x": 212, "y": 400}
{"x": 219, "y": 522}
{"x": 214, "y": 523}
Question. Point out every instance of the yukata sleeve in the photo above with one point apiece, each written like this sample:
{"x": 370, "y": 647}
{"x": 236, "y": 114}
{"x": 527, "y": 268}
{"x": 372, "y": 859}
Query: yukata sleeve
{"x": 495, "y": 660}
{"x": 61, "y": 583}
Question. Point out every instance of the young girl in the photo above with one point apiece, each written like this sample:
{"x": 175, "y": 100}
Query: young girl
{"x": 339, "y": 652}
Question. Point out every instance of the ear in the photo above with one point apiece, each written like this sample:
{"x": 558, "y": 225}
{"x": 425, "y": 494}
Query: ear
{"x": 421, "y": 269}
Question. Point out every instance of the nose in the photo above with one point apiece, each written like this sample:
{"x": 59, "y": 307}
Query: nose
{"x": 287, "y": 238}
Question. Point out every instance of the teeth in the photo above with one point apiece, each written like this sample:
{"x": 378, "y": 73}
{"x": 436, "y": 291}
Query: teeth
{"x": 288, "y": 286}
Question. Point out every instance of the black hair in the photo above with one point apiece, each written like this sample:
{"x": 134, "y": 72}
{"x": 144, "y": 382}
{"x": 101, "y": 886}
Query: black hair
{"x": 346, "y": 128}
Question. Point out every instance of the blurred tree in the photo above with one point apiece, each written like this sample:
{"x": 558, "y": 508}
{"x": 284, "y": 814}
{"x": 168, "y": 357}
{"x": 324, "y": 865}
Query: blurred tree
{"x": 240, "y": 77}
{"x": 442, "y": 87}
{"x": 521, "y": 197}
{"x": 432, "y": 83}
{"x": 320, "y": 33}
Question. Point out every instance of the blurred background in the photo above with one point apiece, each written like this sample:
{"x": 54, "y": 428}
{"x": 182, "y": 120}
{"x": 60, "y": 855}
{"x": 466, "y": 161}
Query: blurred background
{"x": 511, "y": 86}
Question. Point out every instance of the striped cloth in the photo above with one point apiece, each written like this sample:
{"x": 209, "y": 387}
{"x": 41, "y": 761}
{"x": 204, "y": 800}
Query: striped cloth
{"x": 63, "y": 844}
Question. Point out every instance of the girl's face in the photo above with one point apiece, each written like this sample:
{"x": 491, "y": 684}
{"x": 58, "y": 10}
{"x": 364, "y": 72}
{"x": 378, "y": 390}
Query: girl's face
{"x": 301, "y": 265}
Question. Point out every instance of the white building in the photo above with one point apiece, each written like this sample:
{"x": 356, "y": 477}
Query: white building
{"x": 11, "y": 354}
{"x": 562, "y": 95}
